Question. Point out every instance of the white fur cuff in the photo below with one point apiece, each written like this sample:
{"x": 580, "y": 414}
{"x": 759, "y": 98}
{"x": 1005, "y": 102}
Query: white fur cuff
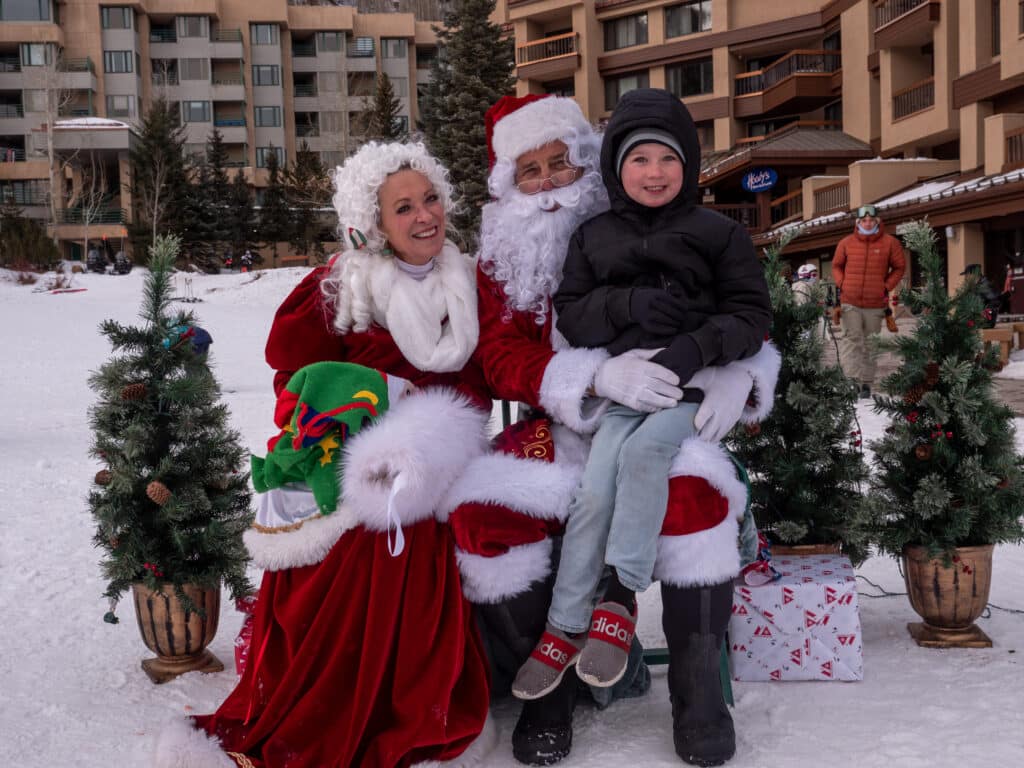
{"x": 488, "y": 580}
{"x": 181, "y": 745}
{"x": 563, "y": 388}
{"x": 306, "y": 545}
{"x": 699, "y": 559}
{"x": 764, "y": 370}
{"x": 428, "y": 439}
{"x": 711, "y": 462}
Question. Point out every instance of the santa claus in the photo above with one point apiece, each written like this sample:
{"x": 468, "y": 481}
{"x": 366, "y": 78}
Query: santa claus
{"x": 508, "y": 509}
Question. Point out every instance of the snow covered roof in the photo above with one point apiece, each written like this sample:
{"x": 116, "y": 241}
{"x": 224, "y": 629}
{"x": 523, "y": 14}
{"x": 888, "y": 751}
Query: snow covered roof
{"x": 90, "y": 122}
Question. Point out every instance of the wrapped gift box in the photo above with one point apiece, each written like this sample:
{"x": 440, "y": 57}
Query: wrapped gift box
{"x": 804, "y": 626}
{"x": 243, "y": 639}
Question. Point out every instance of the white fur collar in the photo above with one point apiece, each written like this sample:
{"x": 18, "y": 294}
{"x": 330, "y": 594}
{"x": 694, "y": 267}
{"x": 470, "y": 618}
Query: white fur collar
{"x": 433, "y": 321}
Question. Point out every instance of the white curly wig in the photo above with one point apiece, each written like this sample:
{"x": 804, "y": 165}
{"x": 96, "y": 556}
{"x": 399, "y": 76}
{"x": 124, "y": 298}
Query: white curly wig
{"x": 358, "y": 181}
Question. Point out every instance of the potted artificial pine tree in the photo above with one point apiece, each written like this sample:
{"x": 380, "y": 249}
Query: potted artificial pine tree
{"x": 804, "y": 461}
{"x": 173, "y": 501}
{"x": 947, "y": 485}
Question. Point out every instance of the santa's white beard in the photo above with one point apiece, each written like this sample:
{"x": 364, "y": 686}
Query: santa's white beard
{"x": 523, "y": 242}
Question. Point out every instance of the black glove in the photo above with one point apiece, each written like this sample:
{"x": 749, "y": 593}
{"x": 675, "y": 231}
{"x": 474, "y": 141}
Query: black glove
{"x": 682, "y": 357}
{"x": 656, "y": 311}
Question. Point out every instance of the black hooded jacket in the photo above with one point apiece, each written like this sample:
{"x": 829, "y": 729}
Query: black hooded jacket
{"x": 697, "y": 255}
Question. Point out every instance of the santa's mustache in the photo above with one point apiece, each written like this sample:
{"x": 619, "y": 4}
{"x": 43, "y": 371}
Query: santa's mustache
{"x": 571, "y": 196}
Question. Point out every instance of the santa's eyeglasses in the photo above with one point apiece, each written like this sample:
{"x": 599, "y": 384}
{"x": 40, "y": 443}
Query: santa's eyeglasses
{"x": 562, "y": 178}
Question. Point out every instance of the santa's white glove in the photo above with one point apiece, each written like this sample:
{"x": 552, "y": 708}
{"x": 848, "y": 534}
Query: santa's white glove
{"x": 637, "y": 383}
{"x": 726, "y": 390}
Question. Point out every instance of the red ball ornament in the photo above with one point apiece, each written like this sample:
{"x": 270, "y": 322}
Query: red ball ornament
{"x": 970, "y": 323}
{"x": 912, "y": 417}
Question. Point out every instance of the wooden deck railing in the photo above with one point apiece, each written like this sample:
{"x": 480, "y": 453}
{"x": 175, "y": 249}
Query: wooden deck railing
{"x": 793, "y": 63}
{"x": 787, "y": 207}
{"x": 834, "y": 197}
{"x": 1014, "y": 149}
{"x": 746, "y": 214}
{"x": 893, "y": 9}
{"x": 917, "y": 97}
{"x": 547, "y": 48}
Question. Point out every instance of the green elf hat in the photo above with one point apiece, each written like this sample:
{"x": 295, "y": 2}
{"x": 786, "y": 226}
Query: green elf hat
{"x": 322, "y": 406}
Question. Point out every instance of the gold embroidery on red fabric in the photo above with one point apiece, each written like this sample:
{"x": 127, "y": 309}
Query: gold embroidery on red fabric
{"x": 540, "y": 447}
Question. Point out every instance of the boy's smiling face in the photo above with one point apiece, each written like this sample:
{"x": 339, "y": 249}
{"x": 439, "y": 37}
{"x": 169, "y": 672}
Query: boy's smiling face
{"x": 652, "y": 174}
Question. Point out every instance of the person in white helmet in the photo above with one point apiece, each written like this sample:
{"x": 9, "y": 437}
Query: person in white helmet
{"x": 806, "y": 278}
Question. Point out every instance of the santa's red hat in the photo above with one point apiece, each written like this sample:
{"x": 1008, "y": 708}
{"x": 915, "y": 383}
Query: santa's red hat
{"x": 517, "y": 124}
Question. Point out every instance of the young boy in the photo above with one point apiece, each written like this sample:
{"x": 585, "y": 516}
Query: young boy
{"x": 659, "y": 273}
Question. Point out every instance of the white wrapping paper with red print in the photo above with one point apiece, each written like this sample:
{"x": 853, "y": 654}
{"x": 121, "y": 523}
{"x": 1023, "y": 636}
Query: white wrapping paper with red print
{"x": 243, "y": 639}
{"x": 804, "y": 626}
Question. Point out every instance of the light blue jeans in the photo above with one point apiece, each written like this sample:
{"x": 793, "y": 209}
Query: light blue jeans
{"x": 618, "y": 510}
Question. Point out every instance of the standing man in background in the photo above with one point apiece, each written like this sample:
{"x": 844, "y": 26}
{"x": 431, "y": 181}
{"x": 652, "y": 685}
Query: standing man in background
{"x": 867, "y": 267}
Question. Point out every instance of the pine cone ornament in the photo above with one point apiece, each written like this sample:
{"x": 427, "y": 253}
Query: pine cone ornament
{"x": 135, "y": 391}
{"x": 913, "y": 395}
{"x": 923, "y": 452}
{"x": 103, "y": 477}
{"x": 1003, "y": 484}
{"x": 931, "y": 374}
{"x": 752, "y": 429}
{"x": 158, "y": 492}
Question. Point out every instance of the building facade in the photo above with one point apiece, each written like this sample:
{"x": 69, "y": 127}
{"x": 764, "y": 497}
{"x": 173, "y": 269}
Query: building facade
{"x": 810, "y": 108}
{"x": 76, "y": 76}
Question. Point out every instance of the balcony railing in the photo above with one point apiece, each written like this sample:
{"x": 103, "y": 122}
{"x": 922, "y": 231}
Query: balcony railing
{"x": 165, "y": 78}
{"x": 228, "y": 79}
{"x": 303, "y": 50}
{"x": 746, "y": 214}
{"x": 229, "y": 122}
{"x": 307, "y": 130}
{"x": 226, "y": 36}
{"x": 788, "y": 207}
{"x": 794, "y": 63}
{"x": 78, "y": 216}
{"x": 76, "y": 112}
{"x": 548, "y": 48}
{"x": 10, "y": 64}
{"x": 83, "y": 64}
{"x": 893, "y": 9}
{"x": 1014, "y": 149}
{"x": 12, "y": 155}
{"x": 918, "y": 97}
{"x": 305, "y": 89}
{"x": 8, "y": 111}
{"x": 834, "y": 197}
{"x": 163, "y": 35}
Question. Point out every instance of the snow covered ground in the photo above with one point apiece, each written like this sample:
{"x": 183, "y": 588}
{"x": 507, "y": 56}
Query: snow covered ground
{"x": 72, "y": 693}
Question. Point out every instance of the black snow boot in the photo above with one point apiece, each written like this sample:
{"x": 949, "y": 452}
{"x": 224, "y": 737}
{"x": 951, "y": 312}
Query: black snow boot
{"x": 543, "y": 733}
{"x": 695, "y": 620}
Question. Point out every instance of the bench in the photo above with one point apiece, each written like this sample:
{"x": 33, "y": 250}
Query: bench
{"x": 296, "y": 260}
{"x": 1001, "y": 336}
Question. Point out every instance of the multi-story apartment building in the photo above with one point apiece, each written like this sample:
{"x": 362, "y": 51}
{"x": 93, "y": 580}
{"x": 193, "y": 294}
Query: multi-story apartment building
{"x": 76, "y": 75}
{"x": 809, "y": 108}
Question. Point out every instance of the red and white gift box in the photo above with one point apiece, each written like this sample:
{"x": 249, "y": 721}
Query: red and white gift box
{"x": 804, "y": 626}
{"x": 243, "y": 639}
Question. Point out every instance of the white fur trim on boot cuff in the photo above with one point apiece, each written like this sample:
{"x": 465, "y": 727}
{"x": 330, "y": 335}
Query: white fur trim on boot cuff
{"x": 764, "y": 370}
{"x": 532, "y": 486}
{"x": 308, "y": 544}
{"x": 563, "y": 389}
{"x": 474, "y": 754}
{"x": 428, "y": 438}
{"x": 707, "y": 557}
{"x": 711, "y": 462}
{"x": 181, "y": 745}
{"x": 487, "y": 580}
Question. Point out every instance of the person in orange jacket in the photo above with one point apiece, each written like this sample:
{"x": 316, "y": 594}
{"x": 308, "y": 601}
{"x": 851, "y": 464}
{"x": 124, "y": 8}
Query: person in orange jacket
{"x": 867, "y": 267}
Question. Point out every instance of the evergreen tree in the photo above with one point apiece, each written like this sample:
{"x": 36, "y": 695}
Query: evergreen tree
{"x": 159, "y": 179}
{"x": 23, "y": 241}
{"x": 308, "y": 190}
{"x": 382, "y": 116}
{"x": 804, "y": 461}
{"x": 198, "y": 237}
{"x": 275, "y": 218}
{"x": 947, "y": 473}
{"x": 472, "y": 71}
{"x": 216, "y": 191}
{"x": 241, "y": 218}
{"x": 174, "y": 500}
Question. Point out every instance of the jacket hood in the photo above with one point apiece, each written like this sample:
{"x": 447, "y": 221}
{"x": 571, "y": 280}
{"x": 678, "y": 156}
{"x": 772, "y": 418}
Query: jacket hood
{"x": 650, "y": 108}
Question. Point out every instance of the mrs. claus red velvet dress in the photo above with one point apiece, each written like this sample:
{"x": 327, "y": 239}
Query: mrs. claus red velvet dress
{"x": 362, "y": 659}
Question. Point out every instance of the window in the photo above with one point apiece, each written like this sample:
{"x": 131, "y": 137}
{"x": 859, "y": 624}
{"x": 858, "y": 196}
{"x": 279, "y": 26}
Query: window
{"x": 328, "y": 41}
{"x": 116, "y": 18}
{"x": 401, "y": 86}
{"x": 266, "y": 74}
{"x": 263, "y": 34}
{"x": 688, "y": 18}
{"x": 425, "y": 56}
{"x": 195, "y": 111}
{"x": 833, "y": 112}
{"x": 119, "y": 106}
{"x": 616, "y": 87}
{"x": 267, "y": 117}
{"x": 361, "y": 83}
{"x": 996, "y": 28}
{"x": 23, "y": 192}
{"x": 35, "y": 54}
{"x": 360, "y": 47}
{"x": 331, "y": 122}
{"x": 356, "y": 123}
{"x": 690, "y": 78}
{"x": 332, "y": 158}
{"x": 401, "y": 124}
{"x": 24, "y": 10}
{"x": 624, "y": 32}
{"x": 194, "y": 69}
{"x": 263, "y": 152}
{"x": 34, "y": 100}
{"x": 193, "y": 26}
{"x": 393, "y": 48}
{"x": 117, "y": 61}
{"x": 565, "y": 87}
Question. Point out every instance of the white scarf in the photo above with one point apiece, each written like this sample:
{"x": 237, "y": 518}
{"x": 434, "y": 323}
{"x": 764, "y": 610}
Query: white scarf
{"x": 432, "y": 320}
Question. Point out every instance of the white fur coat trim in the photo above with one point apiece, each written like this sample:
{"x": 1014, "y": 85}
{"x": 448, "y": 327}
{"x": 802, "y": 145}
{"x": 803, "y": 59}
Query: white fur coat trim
{"x": 699, "y": 559}
{"x": 764, "y": 370}
{"x": 428, "y": 437}
{"x": 711, "y": 462}
{"x": 306, "y": 545}
{"x": 433, "y": 321}
{"x": 474, "y": 754}
{"x": 563, "y": 388}
{"x": 487, "y": 580}
{"x": 181, "y": 745}
{"x": 534, "y": 487}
